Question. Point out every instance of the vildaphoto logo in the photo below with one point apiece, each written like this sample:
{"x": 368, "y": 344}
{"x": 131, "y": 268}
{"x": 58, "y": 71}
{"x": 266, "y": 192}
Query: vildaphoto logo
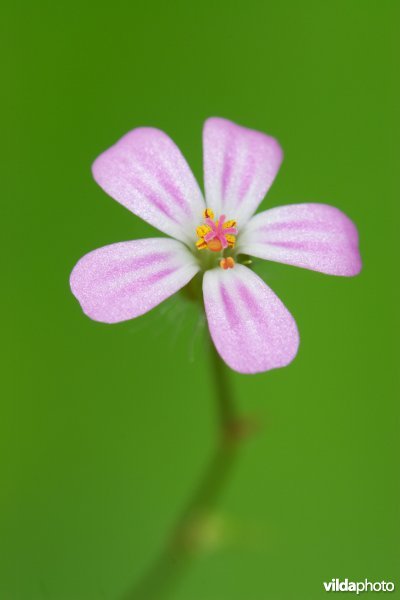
{"x": 358, "y": 586}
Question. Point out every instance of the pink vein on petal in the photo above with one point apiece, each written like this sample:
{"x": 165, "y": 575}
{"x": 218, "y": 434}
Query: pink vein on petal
{"x": 227, "y": 165}
{"x": 229, "y": 306}
{"x": 162, "y": 177}
{"x": 247, "y": 178}
{"x": 135, "y": 264}
{"x": 306, "y": 246}
{"x": 143, "y": 283}
{"x": 151, "y": 194}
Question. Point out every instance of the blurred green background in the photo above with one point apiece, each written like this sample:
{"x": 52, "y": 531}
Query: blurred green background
{"x": 105, "y": 430}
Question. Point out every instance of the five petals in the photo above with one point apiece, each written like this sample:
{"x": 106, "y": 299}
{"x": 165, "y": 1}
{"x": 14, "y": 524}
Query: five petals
{"x": 146, "y": 172}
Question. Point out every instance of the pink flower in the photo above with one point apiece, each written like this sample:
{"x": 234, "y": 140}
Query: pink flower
{"x": 251, "y": 328}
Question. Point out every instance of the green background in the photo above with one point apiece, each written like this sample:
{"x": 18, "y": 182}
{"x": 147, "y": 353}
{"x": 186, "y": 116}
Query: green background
{"x": 105, "y": 430}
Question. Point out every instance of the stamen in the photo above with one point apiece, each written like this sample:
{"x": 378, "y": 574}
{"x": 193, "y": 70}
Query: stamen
{"x": 231, "y": 240}
{"x": 202, "y": 230}
{"x": 227, "y": 263}
{"x": 231, "y": 223}
{"x": 201, "y": 244}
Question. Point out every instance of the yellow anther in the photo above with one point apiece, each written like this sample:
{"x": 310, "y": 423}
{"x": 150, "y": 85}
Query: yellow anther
{"x": 208, "y": 214}
{"x": 231, "y": 223}
{"x": 231, "y": 240}
{"x": 202, "y": 230}
{"x": 201, "y": 244}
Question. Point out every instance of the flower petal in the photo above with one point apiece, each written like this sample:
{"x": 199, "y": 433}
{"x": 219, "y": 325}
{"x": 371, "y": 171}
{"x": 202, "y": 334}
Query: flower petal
{"x": 125, "y": 280}
{"x": 313, "y": 236}
{"x": 146, "y": 172}
{"x": 250, "y": 327}
{"x": 239, "y": 167}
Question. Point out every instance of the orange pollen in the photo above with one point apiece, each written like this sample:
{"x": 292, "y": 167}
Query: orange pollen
{"x": 227, "y": 263}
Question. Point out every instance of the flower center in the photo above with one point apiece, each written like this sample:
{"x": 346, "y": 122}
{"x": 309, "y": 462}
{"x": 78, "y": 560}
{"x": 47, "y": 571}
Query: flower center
{"x": 216, "y": 235}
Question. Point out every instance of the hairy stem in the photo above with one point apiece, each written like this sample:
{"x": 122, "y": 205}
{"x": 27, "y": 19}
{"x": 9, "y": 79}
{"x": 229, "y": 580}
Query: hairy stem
{"x": 187, "y": 537}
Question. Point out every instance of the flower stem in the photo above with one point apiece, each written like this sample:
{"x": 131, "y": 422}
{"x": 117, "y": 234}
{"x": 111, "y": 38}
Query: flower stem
{"x": 187, "y": 538}
{"x": 223, "y": 394}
